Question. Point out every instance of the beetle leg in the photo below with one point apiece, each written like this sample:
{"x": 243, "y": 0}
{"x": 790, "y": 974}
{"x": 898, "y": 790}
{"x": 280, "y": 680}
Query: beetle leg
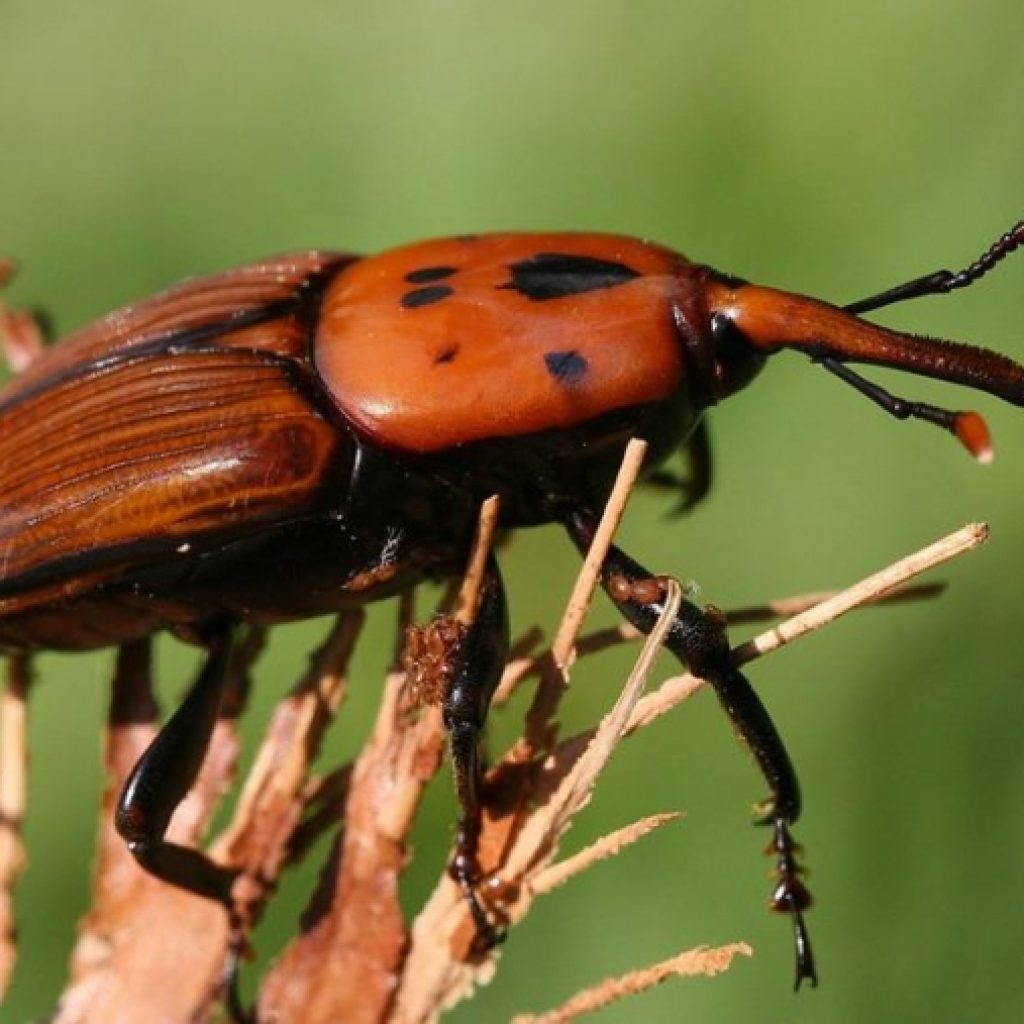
{"x": 163, "y": 776}
{"x": 697, "y": 483}
{"x": 693, "y": 486}
{"x": 698, "y": 639}
{"x": 481, "y": 660}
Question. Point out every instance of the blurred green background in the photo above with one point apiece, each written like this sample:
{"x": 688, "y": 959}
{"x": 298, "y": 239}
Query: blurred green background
{"x": 833, "y": 149}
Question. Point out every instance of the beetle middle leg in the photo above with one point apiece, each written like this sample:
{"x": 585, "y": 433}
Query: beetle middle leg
{"x": 694, "y": 485}
{"x": 698, "y": 639}
{"x": 480, "y": 661}
{"x": 165, "y": 773}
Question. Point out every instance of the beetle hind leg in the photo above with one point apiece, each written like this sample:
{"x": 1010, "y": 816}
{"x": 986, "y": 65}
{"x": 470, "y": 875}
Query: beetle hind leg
{"x": 697, "y": 638}
{"x": 163, "y": 776}
{"x": 480, "y": 661}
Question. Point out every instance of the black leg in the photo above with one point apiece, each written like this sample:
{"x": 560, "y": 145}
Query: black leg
{"x": 697, "y": 638}
{"x": 693, "y": 487}
{"x": 164, "y": 775}
{"x": 480, "y": 661}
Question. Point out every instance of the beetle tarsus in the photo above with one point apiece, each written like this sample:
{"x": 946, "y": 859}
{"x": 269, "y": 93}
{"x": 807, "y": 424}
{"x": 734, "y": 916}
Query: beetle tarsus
{"x": 465, "y": 870}
{"x": 806, "y": 970}
{"x": 792, "y": 897}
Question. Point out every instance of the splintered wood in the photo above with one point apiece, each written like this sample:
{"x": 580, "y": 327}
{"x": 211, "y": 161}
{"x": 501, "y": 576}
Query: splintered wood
{"x": 149, "y": 952}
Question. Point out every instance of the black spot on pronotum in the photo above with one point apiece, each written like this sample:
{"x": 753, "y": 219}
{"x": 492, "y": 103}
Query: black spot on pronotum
{"x": 554, "y": 275}
{"x": 427, "y": 274}
{"x": 566, "y": 367}
{"x": 446, "y": 355}
{"x": 425, "y": 296}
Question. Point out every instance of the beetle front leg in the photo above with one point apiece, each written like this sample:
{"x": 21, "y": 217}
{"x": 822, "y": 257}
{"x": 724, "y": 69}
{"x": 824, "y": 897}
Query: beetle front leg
{"x": 165, "y": 773}
{"x": 698, "y": 639}
{"x": 480, "y": 662}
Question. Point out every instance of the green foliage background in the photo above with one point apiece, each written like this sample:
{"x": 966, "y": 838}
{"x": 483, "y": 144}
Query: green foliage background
{"x": 828, "y": 148}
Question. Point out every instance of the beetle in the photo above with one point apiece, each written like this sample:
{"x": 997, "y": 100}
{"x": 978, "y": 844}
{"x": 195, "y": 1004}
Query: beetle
{"x": 317, "y": 431}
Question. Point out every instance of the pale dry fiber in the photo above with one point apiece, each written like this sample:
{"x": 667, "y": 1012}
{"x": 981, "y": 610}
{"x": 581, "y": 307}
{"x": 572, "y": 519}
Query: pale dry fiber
{"x": 13, "y": 790}
{"x": 148, "y": 952}
{"x": 701, "y": 962}
{"x": 20, "y": 343}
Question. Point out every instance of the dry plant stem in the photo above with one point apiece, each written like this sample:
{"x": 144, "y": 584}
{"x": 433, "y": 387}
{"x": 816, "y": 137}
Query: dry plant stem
{"x": 13, "y": 791}
{"x": 555, "y": 674}
{"x": 787, "y": 606}
{"x": 870, "y": 589}
{"x": 469, "y": 591}
{"x": 586, "y": 582}
{"x": 344, "y": 965}
{"x": 700, "y": 961}
{"x": 522, "y": 664}
{"x": 607, "y": 846}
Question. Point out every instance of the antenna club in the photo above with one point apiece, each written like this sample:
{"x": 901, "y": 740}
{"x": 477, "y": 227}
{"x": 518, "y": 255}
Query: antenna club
{"x": 972, "y": 432}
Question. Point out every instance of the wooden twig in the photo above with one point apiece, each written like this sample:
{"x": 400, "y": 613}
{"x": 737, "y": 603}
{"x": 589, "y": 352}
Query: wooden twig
{"x": 873, "y": 588}
{"x": 555, "y": 673}
{"x": 13, "y": 790}
{"x": 784, "y": 607}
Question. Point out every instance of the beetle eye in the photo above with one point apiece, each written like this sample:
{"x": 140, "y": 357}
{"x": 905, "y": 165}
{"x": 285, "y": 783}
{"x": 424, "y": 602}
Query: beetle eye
{"x": 737, "y": 361}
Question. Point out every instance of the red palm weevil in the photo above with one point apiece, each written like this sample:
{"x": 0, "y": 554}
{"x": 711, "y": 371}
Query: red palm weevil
{"x": 317, "y": 431}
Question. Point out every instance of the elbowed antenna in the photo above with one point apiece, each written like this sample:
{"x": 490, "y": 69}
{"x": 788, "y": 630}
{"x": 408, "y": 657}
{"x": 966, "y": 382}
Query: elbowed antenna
{"x": 941, "y": 282}
{"x": 770, "y": 320}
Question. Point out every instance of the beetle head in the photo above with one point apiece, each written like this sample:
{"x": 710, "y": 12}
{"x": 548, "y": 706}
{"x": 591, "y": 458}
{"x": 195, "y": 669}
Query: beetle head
{"x": 750, "y": 322}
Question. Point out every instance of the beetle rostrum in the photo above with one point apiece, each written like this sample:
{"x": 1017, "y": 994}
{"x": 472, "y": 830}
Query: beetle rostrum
{"x": 317, "y": 431}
